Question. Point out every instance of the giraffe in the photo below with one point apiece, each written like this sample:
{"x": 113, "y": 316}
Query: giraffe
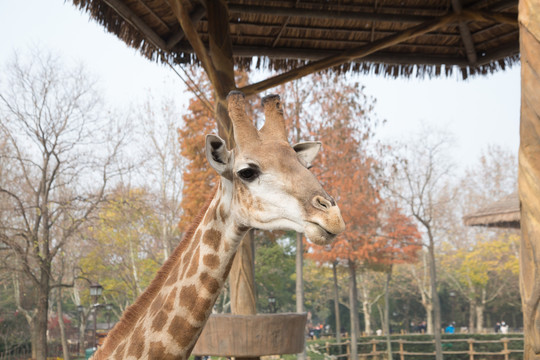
{"x": 264, "y": 183}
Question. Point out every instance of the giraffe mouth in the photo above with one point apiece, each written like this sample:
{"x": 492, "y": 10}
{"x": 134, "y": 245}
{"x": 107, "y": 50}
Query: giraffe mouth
{"x": 318, "y": 234}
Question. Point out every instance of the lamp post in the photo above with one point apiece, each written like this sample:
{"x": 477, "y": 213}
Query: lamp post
{"x": 95, "y": 292}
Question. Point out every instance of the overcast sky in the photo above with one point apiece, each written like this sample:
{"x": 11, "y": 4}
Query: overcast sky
{"x": 479, "y": 111}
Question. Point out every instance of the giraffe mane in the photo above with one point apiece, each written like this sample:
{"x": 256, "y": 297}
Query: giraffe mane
{"x": 145, "y": 299}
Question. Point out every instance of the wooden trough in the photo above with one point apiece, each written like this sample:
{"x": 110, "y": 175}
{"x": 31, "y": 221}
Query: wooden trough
{"x": 252, "y": 335}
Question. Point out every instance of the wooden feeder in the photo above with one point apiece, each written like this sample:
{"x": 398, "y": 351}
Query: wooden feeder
{"x": 252, "y": 335}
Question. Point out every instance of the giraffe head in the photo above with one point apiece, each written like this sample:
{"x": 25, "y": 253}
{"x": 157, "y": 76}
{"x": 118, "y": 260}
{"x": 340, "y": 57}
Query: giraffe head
{"x": 271, "y": 185}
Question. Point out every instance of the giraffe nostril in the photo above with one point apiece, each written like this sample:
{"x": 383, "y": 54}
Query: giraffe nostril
{"x": 321, "y": 203}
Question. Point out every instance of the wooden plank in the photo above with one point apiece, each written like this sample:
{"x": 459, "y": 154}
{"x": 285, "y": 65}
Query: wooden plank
{"x": 131, "y": 18}
{"x": 251, "y": 336}
{"x": 332, "y": 15}
{"x": 529, "y": 175}
{"x": 351, "y": 54}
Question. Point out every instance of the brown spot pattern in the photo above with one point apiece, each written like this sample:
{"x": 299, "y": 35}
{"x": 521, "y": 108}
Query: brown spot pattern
{"x": 159, "y": 321}
{"x": 136, "y": 347}
{"x": 228, "y": 268}
{"x": 119, "y": 353}
{"x": 188, "y": 296}
{"x": 182, "y": 331}
{"x": 169, "y": 303}
{"x": 212, "y": 238}
{"x": 202, "y": 308}
{"x": 158, "y": 351}
{"x": 194, "y": 264}
{"x": 209, "y": 282}
{"x": 210, "y": 260}
{"x": 156, "y": 304}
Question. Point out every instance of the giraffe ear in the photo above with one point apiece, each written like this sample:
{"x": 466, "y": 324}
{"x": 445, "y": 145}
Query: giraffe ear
{"x": 217, "y": 154}
{"x": 307, "y": 151}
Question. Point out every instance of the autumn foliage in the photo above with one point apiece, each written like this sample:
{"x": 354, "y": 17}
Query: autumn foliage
{"x": 376, "y": 233}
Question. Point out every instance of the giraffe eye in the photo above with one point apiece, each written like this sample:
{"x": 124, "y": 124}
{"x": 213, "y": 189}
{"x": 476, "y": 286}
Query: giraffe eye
{"x": 248, "y": 174}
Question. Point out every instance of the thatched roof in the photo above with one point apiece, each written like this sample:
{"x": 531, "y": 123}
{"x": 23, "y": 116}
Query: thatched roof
{"x": 395, "y": 38}
{"x": 504, "y": 213}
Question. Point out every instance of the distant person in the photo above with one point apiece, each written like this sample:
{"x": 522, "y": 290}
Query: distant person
{"x": 497, "y": 327}
{"x": 422, "y": 328}
{"x": 504, "y": 328}
{"x": 450, "y": 329}
{"x": 378, "y": 332}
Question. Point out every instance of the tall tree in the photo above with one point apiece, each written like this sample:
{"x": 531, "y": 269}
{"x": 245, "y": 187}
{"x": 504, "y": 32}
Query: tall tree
{"x": 163, "y": 167}
{"x": 346, "y": 157}
{"x": 123, "y": 245}
{"x": 420, "y": 182}
{"x": 51, "y": 118}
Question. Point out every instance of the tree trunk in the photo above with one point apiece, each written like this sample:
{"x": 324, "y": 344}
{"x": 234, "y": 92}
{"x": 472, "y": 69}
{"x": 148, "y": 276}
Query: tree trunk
{"x": 387, "y": 313}
{"x": 435, "y": 299}
{"x": 472, "y": 307}
{"x": 63, "y": 339}
{"x": 429, "y": 318}
{"x": 300, "y": 283}
{"x": 529, "y": 175}
{"x": 366, "y": 306}
{"x": 336, "y": 302}
{"x": 353, "y": 296}
{"x": 479, "y": 310}
{"x": 41, "y": 321}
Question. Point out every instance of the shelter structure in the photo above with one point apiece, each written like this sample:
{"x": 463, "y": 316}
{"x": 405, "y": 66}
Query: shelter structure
{"x": 390, "y": 37}
{"x": 504, "y": 213}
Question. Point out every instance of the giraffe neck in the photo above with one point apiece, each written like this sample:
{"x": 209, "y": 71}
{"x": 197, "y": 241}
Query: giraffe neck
{"x": 167, "y": 319}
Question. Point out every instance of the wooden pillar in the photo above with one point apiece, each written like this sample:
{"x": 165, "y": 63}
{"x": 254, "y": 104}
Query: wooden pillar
{"x": 241, "y": 278}
{"x": 471, "y": 349}
{"x": 529, "y": 175}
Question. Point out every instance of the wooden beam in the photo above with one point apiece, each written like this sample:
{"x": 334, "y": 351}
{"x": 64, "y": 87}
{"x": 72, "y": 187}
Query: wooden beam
{"x": 322, "y": 14}
{"x": 351, "y": 54}
{"x": 194, "y": 39}
{"x": 465, "y": 34}
{"x": 220, "y": 45}
{"x": 131, "y": 18}
{"x": 489, "y": 16}
{"x": 195, "y": 17}
{"x": 156, "y": 16}
{"x": 496, "y": 54}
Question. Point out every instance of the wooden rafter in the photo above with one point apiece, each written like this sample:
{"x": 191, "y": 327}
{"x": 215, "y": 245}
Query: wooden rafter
{"x": 194, "y": 39}
{"x": 465, "y": 34}
{"x": 489, "y": 16}
{"x": 320, "y": 14}
{"x": 156, "y": 16}
{"x": 196, "y": 16}
{"x": 130, "y": 17}
{"x": 351, "y": 54}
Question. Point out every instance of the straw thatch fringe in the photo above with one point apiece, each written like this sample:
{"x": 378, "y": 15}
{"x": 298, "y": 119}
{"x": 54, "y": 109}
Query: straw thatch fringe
{"x": 402, "y": 64}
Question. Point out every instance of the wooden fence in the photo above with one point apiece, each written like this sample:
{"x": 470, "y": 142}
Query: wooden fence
{"x": 381, "y": 353}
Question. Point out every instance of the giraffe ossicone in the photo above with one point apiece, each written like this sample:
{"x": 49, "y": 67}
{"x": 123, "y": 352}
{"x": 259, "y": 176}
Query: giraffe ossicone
{"x": 265, "y": 184}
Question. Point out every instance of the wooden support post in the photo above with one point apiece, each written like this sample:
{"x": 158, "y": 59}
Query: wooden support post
{"x": 401, "y": 351}
{"x": 471, "y": 349}
{"x": 529, "y": 175}
{"x": 505, "y": 348}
